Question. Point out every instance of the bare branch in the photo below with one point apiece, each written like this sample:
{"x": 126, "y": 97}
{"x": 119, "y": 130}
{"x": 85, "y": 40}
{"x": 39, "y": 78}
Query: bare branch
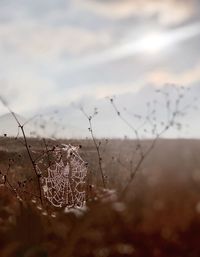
{"x": 97, "y": 146}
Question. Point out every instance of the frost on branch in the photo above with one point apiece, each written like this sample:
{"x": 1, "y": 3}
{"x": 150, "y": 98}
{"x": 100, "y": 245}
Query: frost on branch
{"x": 65, "y": 183}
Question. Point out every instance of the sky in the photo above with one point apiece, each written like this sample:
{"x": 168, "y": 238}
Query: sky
{"x": 60, "y": 56}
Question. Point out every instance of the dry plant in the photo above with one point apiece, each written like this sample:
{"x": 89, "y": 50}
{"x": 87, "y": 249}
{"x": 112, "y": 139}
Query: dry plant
{"x": 97, "y": 143}
{"x": 59, "y": 170}
{"x": 140, "y": 150}
{"x": 175, "y": 109}
{"x": 27, "y": 146}
{"x": 172, "y": 103}
{"x": 111, "y": 228}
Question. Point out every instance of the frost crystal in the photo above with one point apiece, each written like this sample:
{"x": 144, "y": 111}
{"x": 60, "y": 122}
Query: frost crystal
{"x": 65, "y": 184}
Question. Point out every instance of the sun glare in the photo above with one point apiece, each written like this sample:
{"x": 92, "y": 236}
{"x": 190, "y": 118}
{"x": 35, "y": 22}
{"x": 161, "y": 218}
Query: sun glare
{"x": 154, "y": 42}
{"x": 149, "y": 44}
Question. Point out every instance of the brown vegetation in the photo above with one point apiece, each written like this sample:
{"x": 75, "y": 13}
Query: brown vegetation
{"x": 158, "y": 217}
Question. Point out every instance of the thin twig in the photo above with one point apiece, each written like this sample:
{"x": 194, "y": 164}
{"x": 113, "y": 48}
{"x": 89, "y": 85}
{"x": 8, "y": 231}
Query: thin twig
{"x": 97, "y": 146}
{"x": 26, "y": 146}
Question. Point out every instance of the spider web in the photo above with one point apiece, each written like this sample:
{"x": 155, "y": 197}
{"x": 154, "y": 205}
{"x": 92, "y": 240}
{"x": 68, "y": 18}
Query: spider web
{"x": 65, "y": 184}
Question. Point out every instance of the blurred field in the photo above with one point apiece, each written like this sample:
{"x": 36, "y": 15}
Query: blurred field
{"x": 160, "y": 215}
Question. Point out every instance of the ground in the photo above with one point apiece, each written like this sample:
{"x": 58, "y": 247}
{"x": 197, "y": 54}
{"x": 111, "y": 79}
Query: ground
{"x": 158, "y": 216}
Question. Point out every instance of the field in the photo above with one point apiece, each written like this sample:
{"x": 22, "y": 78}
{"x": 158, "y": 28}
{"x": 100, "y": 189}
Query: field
{"x": 158, "y": 216}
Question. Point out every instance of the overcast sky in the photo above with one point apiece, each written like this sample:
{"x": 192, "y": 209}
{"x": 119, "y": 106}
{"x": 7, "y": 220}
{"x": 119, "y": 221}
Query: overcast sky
{"x": 59, "y": 55}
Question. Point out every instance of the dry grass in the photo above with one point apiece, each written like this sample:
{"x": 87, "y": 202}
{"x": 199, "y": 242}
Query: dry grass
{"x": 159, "y": 216}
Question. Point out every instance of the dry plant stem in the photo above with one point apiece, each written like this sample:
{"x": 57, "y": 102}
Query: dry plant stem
{"x": 98, "y": 152}
{"x": 27, "y": 148}
{"x": 43, "y": 154}
{"x": 97, "y": 147}
{"x": 138, "y": 165}
{"x": 7, "y": 182}
{"x": 47, "y": 151}
{"x": 167, "y": 127}
{"x": 139, "y": 146}
{"x": 10, "y": 185}
{"x": 32, "y": 161}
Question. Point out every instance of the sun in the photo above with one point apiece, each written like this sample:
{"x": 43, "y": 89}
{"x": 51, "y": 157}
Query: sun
{"x": 150, "y": 43}
{"x": 154, "y": 42}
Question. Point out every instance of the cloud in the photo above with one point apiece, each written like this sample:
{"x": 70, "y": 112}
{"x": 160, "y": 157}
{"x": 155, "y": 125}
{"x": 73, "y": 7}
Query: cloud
{"x": 103, "y": 91}
{"x": 25, "y": 91}
{"x": 168, "y": 12}
{"x": 185, "y": 78}
{"x": 43, "y": 42}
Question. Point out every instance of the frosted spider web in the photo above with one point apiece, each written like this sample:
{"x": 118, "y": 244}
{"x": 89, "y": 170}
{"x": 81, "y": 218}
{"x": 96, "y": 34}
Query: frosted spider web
{"x": 65, "y": 184}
